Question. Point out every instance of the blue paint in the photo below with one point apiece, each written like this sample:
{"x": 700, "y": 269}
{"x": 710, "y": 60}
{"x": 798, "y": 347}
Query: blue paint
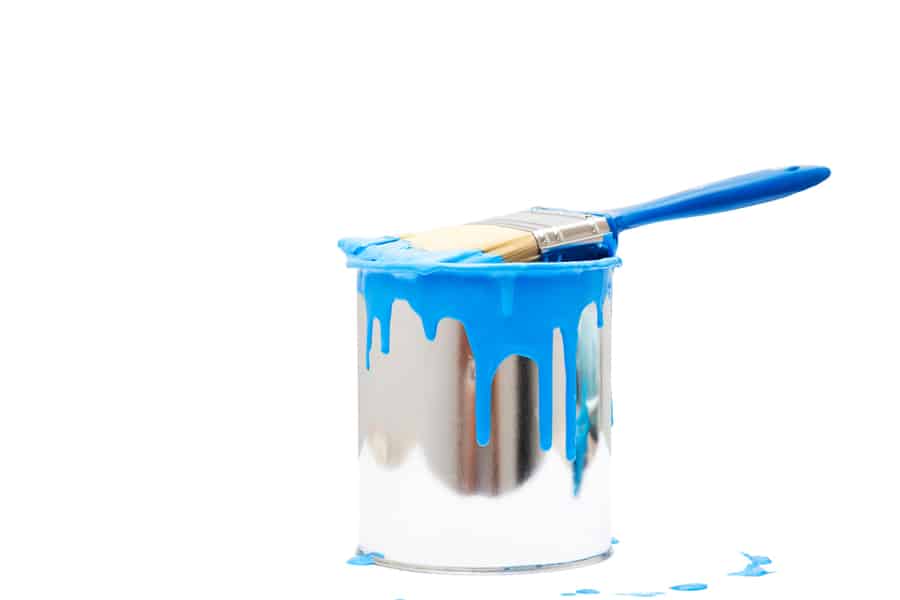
{"x": 587, "y": 591}
{"x": 615, "y": 540}
{"x": 641, "y": 594}
{"x": 757, "y": 560}
{"x": 568, "y": 594}
{"x": 505, "y": 308}
{"x": 394, "y": 251}
{"x": 752, "y": 570}
{"x": 755, "y": 567}
{"x": 689, "y": 587}
{"x": 602, "y": 249}
{"x": 365, "y": 559}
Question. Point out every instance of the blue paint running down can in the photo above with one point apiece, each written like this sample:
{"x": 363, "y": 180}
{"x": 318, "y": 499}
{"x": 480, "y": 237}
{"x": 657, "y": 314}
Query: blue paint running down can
{"x": 484, "y": 410}
{"x": 484, "y": 403}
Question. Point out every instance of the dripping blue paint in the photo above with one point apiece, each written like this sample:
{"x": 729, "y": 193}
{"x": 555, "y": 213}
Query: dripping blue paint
{"x": 365, "y": 559}
{"x": 689, "y": 587}
{"x": 505, "y": 308}
{"x": 522, "y": 313}
{"x": 755, "y": 567}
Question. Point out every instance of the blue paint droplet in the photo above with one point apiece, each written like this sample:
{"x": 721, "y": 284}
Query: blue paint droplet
{"x": 364, "y": 560}
{"x": 752, "y": 570}
{"x": 615, "y": 540}
{"x": 757, "y": 560}
{"x": 689, "y": 587}
{"x": 587, "y": 591}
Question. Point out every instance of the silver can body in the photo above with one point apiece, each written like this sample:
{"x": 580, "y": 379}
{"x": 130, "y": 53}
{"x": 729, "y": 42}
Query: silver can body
{"x": 433, "y": 499}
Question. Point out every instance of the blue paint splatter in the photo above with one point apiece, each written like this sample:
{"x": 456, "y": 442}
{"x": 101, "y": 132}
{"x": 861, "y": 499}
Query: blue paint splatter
{"x": 587, "y": 591}
{"x": 758, "y": 560}
{"x": 364, "y": 560}
{"x": 568, "y": 594}
{"x": 505, "y": 308}
{"x": 615, "y": 540}
{"x": 640, "y": 594}
{"x": 752, "y": 570}
{"x": 689, "y": 587}
{"x": 755, "y": 567}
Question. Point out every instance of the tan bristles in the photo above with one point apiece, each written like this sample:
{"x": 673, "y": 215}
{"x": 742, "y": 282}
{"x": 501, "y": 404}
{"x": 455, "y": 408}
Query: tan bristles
{"x": 510, "y": 244}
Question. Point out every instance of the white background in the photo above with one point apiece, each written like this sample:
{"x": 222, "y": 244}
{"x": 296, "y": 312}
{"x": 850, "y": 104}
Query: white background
{"x": 177, "y": 336}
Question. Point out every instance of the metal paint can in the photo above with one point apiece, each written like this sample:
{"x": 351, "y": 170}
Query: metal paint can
{"x": 432, "y": 499}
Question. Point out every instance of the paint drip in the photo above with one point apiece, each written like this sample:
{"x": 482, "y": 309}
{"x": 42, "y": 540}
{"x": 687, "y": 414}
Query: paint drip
{"x": 506, "y": 309}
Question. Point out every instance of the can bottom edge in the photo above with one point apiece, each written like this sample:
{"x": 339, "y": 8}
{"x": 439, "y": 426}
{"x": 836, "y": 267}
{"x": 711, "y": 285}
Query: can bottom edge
{"x": 508, "y": 570}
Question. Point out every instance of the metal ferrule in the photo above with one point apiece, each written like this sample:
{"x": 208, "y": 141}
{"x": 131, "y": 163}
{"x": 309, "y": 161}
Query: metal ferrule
{"x": 554, "y": 228}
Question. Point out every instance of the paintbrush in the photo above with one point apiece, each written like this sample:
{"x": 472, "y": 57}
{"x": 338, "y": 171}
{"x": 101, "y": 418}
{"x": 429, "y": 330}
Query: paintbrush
{"x": 542, "y": 233}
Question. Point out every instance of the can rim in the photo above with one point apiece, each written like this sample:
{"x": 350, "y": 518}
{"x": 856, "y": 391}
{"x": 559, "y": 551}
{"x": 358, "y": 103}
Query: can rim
{"x": 486, "y": 268}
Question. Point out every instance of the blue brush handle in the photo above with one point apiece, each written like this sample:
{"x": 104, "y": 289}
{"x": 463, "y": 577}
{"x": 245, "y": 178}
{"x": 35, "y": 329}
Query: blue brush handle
{"x": 737, "y": 192}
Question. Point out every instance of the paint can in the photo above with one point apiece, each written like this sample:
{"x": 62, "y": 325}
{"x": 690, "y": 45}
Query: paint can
{"x": 484, "y": 415}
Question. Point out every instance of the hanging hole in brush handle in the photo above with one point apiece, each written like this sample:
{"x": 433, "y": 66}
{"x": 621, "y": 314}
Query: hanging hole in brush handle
{"x": 729, "y": 194}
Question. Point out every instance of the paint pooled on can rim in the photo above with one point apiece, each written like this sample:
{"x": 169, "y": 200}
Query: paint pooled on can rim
{"x": 506, "y": 309}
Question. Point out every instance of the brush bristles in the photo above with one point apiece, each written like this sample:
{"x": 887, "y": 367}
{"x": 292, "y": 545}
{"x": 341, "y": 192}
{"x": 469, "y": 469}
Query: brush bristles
{"x": 512, "y": 245}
